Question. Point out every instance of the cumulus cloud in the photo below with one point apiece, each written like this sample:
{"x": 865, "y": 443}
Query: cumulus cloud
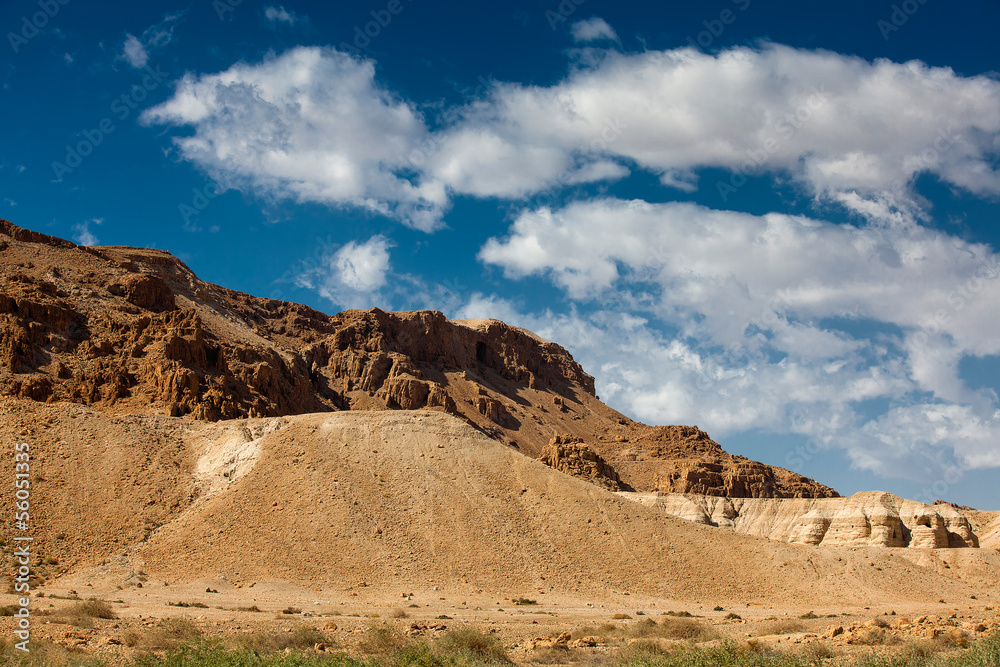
{"x": 848, "y": 130}
{"x": 741, "y": 272}
{"x": 593, "y": 30}
{"x": 353, "y": 275}
{"x": 311, "y": 124}
{"x": 780, "y": 323}
{"x": 280, "y": 15}
{"x": 136, "y": 50}
{"x": 314, "y": 124}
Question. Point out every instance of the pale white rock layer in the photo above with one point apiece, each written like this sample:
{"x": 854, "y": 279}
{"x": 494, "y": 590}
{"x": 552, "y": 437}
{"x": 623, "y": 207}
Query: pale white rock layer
{"x": 872, "y": 518}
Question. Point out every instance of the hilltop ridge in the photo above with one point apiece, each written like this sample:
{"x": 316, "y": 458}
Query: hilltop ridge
{"x": 134, "y": 331}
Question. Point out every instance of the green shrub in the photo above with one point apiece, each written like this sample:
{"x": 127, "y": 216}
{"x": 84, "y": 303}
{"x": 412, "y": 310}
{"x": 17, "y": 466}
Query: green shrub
{"x": 264, "y": 643}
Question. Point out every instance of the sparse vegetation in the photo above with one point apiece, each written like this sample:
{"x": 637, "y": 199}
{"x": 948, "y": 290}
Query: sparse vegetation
{"x": 386, "y": 646}
{"x": 524, "y": 601}
{"x": 776, "y": 627}
{"x": 168, "y": 634}
{"x": 196, "y": 605}
{"x": 383, "y": 640}
{"x": 466, "y": 642}
{"x": 687, "y": 629}
{"x": 875, "y": 637}
{"x": 83, "y": 613}
{"x": 264, "y": 643}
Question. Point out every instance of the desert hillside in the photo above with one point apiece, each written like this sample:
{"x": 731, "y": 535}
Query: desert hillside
{"x": 133, "y": 331}
{"x": 378, "y": 503}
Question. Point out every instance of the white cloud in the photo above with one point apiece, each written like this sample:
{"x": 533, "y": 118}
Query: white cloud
{"x": 352, "y": 276}
{"x": 592, "y": 30}
{"x": 136, "y": 50}
{"x": 739, "y": 322}
{"x": 311, "y": 124}
{"x": 848, "y": 131}
{"x": 736, "y": 269}
{"x": 280, "y": 15}
{"x": 83, "y": 235}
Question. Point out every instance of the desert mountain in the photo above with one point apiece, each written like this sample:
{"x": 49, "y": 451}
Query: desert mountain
{"x": 134, "y": 332}
{"x": 185, "y": 437}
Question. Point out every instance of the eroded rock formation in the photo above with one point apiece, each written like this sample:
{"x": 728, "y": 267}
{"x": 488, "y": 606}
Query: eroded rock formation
{"x": 571, "y": 456}
{"x": 864, "y": 519}
{"x": 134, "y": 331}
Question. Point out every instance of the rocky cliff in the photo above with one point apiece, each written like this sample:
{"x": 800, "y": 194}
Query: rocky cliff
{"x": 573, "y": 457}
{"x": 865, "y": 519}
{"x": 133, "y": 331}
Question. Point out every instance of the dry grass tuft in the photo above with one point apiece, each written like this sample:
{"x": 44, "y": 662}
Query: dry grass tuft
{"x": 874, "y": 637}
{"x": 92, "y": 608}
{"x": 687, "y": 629}
{"x": 788, "y": 627}
{"x": 383, "y": 639}
{"x": 469, "y": 641}
{"x": 817, "y": 651}
{"x": 264, "y": 643}
{"x": 83, "y": 613}
{"x": 167, "y": 635}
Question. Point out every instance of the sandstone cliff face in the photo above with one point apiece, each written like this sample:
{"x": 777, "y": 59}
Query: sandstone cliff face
{"x": 571, "y": 456}
{"x": 991, "y": 536}
{"x": 865, "y": 519}
{"x": 133, "y": 331}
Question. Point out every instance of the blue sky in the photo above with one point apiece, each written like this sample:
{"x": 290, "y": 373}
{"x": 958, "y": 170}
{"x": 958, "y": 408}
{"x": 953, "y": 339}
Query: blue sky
{"x": 773, "y": 220}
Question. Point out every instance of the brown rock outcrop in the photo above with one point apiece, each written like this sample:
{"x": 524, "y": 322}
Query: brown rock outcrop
{"x": 571, "y": 456}
{"x": 134, "y": 331}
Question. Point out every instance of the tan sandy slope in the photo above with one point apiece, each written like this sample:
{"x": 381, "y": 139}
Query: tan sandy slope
{"x": 404, "y": 501}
